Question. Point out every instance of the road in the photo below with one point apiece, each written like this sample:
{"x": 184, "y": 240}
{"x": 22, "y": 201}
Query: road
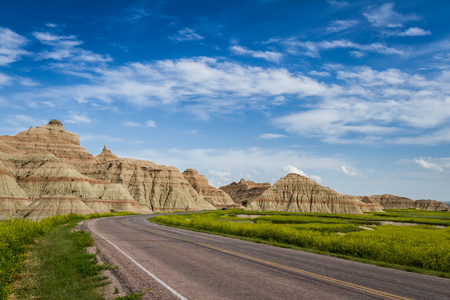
{"x": 182, "y": 264}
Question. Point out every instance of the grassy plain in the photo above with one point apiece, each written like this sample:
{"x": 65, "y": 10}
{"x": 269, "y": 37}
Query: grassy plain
{"x": 17, "y": 236}
{"x": 421, "y": 247}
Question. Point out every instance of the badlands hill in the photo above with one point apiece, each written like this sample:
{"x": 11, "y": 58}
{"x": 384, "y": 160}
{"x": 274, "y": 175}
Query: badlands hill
{"x": 297, "y": 193}
{"x": 44, "y": 171}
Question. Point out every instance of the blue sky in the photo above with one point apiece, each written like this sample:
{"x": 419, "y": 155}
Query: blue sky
{"x": 353, "y": 94}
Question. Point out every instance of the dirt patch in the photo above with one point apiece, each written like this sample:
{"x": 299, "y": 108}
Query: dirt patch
{"x": 250, "y": 216}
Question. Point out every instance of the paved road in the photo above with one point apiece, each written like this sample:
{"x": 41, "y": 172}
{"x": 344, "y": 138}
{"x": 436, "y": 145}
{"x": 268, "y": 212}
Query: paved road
{"x": 182, "y": 264}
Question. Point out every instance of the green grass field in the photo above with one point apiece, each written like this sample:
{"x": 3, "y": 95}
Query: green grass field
{"x": 422, "y": 247}
{"x": 18, "y": 235}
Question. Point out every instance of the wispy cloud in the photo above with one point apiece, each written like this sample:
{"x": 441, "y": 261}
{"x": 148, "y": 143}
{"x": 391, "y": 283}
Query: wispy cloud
{"x": 414, "y": 31}
{"x": 386, "y": 16}
{"x": 295, "y": 170}
{"x": 203, "y": 85}
{"x": 267, "y": 55}
{"x": 66, "y": 48}
{"x": 352, "y": 173}
{"x": 271, "y": 136}
{"x": 313, "y": 49}
{"x": 439, "y": 165}
{"x": 148, "y": 123}
{"x": 377, "y": 107}
{"x": 11, "y": 46}
{"x": 78, "y": 119}
{"x": 235, "y": 164}
{"x": 186, "y": 34}
{"x": 341, "y": 25}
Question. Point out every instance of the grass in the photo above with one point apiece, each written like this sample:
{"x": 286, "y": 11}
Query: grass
{"x": 60, "y": 268}
{"x": 421, "y": 247}
{"x": 17, "y": 236}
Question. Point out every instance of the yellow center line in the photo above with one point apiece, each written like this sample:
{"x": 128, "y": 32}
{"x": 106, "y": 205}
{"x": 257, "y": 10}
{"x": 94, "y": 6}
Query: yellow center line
{"x": 274, "y": 264}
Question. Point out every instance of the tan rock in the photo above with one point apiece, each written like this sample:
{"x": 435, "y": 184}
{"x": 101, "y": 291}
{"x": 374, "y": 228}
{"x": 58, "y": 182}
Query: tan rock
{"x": 159, "y": 187}
{"x": 113, "y": 197}
{"x": 245, "y": 192}
{"x": 12, "y": 197}
{"x": 105, "y": 155}
{"x": 389, "y": 201}
{"x": 216, "y": 197}
{"x": 296, "y": 193}
{"x": 431, "y": 205}
{"x": 51, "y": 138}
{"x": 53, "y": 205}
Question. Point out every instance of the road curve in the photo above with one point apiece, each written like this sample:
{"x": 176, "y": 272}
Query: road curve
{"x": 182, "y": 264}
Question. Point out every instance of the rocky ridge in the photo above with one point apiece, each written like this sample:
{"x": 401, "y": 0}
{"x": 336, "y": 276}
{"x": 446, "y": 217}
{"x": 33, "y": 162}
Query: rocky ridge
{"x": 297, "y": 193}
{"x": 397, "y": 202}
{"x": 44, "y": 172}
{"x": 245, "y": 191}
{"x": 216, "y": 197}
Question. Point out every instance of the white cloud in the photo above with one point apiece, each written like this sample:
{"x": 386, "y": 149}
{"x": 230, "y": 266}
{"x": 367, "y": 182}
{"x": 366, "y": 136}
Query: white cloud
{"x": 219, "y": 178}
{"x": 291, "y": 169}
{"x": 11, "y": 46}
{"x": 187, "y": 34}
{"x": 78, "y": 119}
{"x": 256, "y": 163}
{"x": 414, "y": 31}
{"x": 385, "y": 16}
{"x": 316, "y": 178}
{"x": 150, "y": 123}
{"x": 351, "y": 173}
{"x": 267, "y": 55}
{"x": 439, "y": 165}
{"x": 4, "y": 79}
{"x": 313, "y": 49}
{"x": 131, "y": 124}
{"x": 320, "y": 74}
{"x": 295, "y": 170}
{"x": 341, "y": 25}
{"x": 377, "y": 107}
{"x": 270, "y": 136}
{"x": 203, "y": 85}
{"x": 66, "y": 48}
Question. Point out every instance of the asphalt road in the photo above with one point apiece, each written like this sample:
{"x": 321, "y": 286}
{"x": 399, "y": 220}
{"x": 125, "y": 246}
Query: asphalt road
{"x": 182, "y": 264}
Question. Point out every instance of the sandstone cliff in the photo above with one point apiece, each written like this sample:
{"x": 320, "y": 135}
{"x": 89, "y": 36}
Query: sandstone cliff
{"x": 46, "y": 171}
{"x": 431, "y": 205}
{"x": 159, "y": 187}
{"x": 297, "y": 193}
{"x": 216, "y": 197}
{"x": 245, "y": 192}
{"x": 389, "y": 201}
{"x": 51, "y": 138}
{"x": 396, "y": 202}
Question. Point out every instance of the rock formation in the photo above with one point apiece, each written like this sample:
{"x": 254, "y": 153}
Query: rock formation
{"x": 297, "y": 193}
{"x": 431, "y": 205}
{"x": 245, "y": 192}
{"x": 12, "y": 197}
{"x": 396, "y": 202}
{"x": 159, "y": 187}
{"x": 44, "y": 171}
{"x": 51, "y": 138}
{"x": 216, "y": 197}
{"x": 389, "y": 201}
{"x": 47, "y": 206}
